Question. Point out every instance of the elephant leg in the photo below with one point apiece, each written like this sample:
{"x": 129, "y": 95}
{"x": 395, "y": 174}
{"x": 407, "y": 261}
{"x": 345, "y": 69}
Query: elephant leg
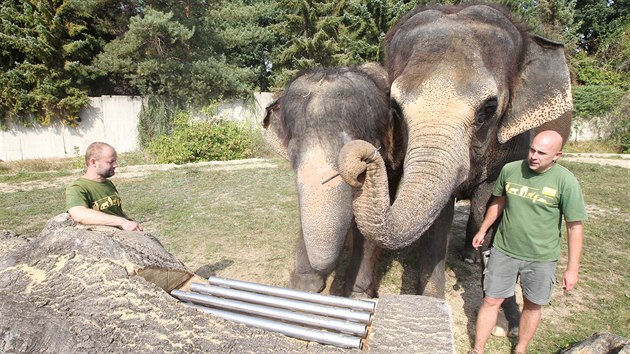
{"x": 478, "y": 203}
{"x": 432, "y": 248}
{"x": 360, "y": 281}
{"x": 512, "y": 314}
{"x": 304, "y": 277}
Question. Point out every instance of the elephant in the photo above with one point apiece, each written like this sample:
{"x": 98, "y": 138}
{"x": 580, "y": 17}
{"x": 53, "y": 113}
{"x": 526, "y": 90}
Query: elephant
{"x": 319, "y": 111}
{"x": 471, "y": 85}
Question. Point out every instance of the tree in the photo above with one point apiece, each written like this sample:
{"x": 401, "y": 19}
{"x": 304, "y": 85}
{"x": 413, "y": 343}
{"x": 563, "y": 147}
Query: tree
{"x": 181, "y": 60}
{"x": 365, "y": 26}
{"x": 598, "y": 19}
{"x": 330, "y": 33}
{"x": 46, "y": 48}
{"x": 244, "y": 37}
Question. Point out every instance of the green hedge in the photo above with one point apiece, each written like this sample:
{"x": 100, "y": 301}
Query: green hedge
{"x": 216, "y": 140}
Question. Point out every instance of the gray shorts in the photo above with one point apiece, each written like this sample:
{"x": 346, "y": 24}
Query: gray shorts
{"x": 537, "y": 278}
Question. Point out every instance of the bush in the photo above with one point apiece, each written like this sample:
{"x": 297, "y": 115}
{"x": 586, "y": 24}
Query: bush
{"x": 216, "y": 140}
{"x": 621, "y": 126}
{"x": 605, "y": 108}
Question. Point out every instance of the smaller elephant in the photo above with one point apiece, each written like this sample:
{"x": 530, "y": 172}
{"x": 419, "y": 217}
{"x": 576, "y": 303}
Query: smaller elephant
{"x": 319, "y": 112}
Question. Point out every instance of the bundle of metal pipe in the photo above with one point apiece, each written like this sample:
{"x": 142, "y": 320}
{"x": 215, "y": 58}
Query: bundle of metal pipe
{"x": 324, "y": 319}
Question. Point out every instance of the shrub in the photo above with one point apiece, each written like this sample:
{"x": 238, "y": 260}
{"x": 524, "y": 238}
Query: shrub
{"x": 621, "y": 126}
{"x": 215, "y": 140}
{"x": 605, "y": 108}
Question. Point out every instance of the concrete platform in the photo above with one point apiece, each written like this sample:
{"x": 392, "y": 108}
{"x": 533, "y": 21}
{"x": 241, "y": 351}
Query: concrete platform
{"x": 411, "y": 324}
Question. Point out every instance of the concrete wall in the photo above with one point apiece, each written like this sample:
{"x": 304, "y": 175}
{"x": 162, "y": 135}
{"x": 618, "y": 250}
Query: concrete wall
{"x": 112, "y": 119}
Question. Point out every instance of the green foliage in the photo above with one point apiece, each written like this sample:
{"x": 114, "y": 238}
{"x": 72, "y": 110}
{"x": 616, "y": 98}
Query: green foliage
{"x": 79, "y": 160}
{"x": 156, "y": 118}
{"x": 330, "y": 33}
{"x": 595, "y": 100}
{"x": 606, "y": 108}
{"x": 621, "y": 125}
{"x": 41, "y": 76}
{"x": 216, "y": 140}
{"x": 169, "y": 54}
{"x": 242, "y": 33}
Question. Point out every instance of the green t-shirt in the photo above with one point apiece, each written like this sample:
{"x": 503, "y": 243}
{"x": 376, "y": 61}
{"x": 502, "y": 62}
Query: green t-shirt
{"x": 531, "y": 223}
{"x": 101, "y": 196}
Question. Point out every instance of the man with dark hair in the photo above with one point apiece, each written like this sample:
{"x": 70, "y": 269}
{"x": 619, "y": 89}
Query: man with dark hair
{"x": 531, "y": 197}
{"x": 93, "y": 199}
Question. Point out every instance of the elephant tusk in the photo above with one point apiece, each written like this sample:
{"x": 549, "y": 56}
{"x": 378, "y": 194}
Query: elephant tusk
{"x": 370, "y": 159}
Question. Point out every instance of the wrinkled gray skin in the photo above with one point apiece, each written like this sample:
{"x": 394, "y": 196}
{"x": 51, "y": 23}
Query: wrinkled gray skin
{"x": 319, "y": 112}
{"x": 470, "y": 86}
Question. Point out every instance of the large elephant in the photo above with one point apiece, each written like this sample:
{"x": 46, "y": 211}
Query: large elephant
{"x": 471, "y": 85}
{"x": 320, "y": 111}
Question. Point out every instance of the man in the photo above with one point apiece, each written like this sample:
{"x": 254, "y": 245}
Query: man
{"x": 93, "y": 199}
{"x": 531, "y": 196}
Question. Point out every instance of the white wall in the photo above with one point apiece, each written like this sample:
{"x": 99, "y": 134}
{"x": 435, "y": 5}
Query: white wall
{"x": 112, "y": 119}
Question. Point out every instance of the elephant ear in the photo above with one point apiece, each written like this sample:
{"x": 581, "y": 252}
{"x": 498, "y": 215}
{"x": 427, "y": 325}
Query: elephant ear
{"x": 542, "y": 92}
{"x": 275, "y": 129}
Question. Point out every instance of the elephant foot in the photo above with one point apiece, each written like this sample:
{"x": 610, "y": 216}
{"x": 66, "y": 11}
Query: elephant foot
{"x": 311, "y": 282}
{"x": 357, "y": 293}
{"x": 470, "y": 255}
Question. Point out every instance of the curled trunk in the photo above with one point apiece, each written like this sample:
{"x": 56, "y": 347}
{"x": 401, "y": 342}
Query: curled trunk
{"x": 432, "y": 172}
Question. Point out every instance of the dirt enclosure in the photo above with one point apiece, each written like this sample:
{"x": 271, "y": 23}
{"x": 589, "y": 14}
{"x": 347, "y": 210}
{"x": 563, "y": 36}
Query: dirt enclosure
{"x": 463, "y": 294}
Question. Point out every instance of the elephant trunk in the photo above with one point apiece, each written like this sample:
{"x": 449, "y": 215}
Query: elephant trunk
{"x": 325, "y": 213}
{"x": 434, "y": 167}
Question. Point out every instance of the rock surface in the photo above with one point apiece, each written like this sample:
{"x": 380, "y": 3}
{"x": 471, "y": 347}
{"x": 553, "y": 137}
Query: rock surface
{"x": 600, "y": 343}
{"x": 92, "y": 290}
{"x": 411, "y": 324}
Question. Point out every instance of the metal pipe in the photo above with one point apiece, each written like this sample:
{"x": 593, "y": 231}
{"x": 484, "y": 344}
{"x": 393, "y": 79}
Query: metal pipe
{"x": 362, "y": 317}
{"x": 363, "y": 305}
{"x": 352, "y": 328}
{"x": 336, "y": 339}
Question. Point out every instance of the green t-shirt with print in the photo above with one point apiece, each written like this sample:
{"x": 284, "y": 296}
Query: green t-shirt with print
{"x": 101, "y": 196}
{"x": 536, "y": 203}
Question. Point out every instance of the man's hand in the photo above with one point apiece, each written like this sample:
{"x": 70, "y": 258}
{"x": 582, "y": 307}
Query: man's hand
{"x": 131, "y": 225}
{"x": 569, "y": 279}
{"x": 478, "y": 239}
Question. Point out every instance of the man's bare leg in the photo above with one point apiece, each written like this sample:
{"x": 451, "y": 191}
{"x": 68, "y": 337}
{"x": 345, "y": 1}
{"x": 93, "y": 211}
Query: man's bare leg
{"x": 486, "y": 320}
{"x": 530, "y": 318}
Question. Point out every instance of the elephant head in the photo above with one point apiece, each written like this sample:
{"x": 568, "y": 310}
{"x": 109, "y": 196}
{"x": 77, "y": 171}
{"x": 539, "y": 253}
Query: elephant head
{"x": 320, "y": 111}
{"x": 469, "y": 83}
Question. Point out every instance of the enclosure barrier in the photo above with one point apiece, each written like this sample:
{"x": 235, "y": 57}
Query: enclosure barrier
{"x": 324, "y": 319}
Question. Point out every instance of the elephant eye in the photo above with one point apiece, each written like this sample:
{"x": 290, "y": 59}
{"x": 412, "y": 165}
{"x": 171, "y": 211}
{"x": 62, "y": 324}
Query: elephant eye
{"x": 487, "y": 110}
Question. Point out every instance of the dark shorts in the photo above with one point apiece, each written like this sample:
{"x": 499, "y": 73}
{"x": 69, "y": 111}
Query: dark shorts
{"x": 537, "y": 278}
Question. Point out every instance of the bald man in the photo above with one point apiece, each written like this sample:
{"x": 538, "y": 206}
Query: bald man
{"x": 93, "y": 199}
{"x": 531, "y": 197}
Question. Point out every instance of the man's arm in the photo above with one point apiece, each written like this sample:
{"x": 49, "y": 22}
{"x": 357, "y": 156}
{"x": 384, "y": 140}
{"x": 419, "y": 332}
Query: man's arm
{"x": 574, "y": 239}
{"x": 87, "y": 216}
{"x": 492, "y": 214}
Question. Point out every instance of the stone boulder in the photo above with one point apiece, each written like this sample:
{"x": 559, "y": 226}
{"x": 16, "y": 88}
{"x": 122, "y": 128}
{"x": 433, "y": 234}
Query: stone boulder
{"x": 600, "y": 343}
{"x": 73, "y": 289}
